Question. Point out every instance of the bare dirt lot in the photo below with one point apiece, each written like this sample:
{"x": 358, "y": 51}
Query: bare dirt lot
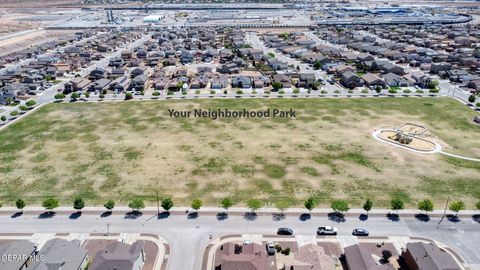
{"x": 126, "y": 149}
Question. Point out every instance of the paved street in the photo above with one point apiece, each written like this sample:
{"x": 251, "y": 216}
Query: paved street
{"x": 188, "y": 237}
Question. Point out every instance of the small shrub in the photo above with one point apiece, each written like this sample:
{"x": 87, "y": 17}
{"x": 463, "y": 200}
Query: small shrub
{"x": 212, "y": 92}
{"x": 156, "y": 94}
{"x": 239, "y": 92}
{"x": 23, "y": 108}
{"x": 407, "y": 91}
{"x": 296, "y": 91}
{"x": 197, "y": 92}
{"x": 392, "y": 91}
{"x": 30, "y": 103}
{"x": 278, "y": 248}
{"x": 59, "y": 96}
{"x": 286, "y": 251}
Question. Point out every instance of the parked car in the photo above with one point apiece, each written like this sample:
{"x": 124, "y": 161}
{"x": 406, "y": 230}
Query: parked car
{"x": 284, "y": 231}
{"x": 270, "y": 248}
{"x": 360, "y": 232}
{"x": 327, "y": 230}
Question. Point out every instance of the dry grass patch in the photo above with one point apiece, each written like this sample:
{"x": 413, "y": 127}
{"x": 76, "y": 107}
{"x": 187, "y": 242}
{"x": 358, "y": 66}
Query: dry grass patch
{"x": 126, "y": 149}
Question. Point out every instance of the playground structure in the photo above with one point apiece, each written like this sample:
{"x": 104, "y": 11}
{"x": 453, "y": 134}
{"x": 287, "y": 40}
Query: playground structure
{"x": 405, "y": 133}
{"x": 409, "y": 136}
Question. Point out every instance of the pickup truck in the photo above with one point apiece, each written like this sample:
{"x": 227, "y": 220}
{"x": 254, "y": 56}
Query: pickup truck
{"x": 327, "y": 230}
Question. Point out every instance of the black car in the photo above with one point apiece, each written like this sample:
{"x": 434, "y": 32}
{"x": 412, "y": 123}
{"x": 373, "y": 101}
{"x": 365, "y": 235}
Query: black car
{"x": 360, "y": 232}
{"x": 284, "y": 231}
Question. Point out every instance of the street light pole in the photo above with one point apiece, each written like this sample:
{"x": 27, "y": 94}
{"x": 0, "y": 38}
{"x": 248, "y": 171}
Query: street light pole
{"x": 108, "y": 229}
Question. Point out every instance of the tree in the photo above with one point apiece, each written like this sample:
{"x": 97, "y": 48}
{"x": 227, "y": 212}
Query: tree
{"x": 14, "y": 113}
{"x": 277, "y": 85}
{"x": 136, "y": 204}
{"x": 59, "y": 96}
{"x": 167, "y": 204}
{"x": 226, "y": 203}
{"x": 128, "y": 96}
{"x": 425, "y": 205}
{"x": 433, "y": 84}
{"x": 254, "y": 204}
{"x": 196, "y": 204}
{"x": 110, "y": 204}
{"x": 3, "y": 118}
{"x": 50, "y": 203}
{"x": 282, "y": 204}
{"x": 378, "y": 89}
{"x": 478, "y": 205}
{"x": 74, "y": 96}
{"x": 317, "y": 65}
{"x": 78, "y": 204}
{"x": 367, "y": 206}
{"x": 20, "y": 204}
{"x": 396, "y": 204}
{"x": 339, "y": 206}
{"x": 23, "y": 108}
{"x": 471, "y": 99}
{"x": 30, "y": 103}
{"x": 310, "y": 204}
{"x": 456, "y": 206}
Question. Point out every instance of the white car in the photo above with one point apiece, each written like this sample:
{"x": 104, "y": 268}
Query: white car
{"x": 327, "y": 230}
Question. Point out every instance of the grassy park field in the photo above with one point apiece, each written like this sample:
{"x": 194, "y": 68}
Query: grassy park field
{"x": 122, "y": 150}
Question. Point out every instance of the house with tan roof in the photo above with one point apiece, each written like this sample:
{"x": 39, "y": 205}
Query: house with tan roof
{"x": 310, "y": 257}
{"x": 251, "y": 256}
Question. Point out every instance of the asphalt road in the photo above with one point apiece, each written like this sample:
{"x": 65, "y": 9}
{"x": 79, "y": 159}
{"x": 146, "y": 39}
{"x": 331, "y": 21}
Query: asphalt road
{"x": 189, "y": 237}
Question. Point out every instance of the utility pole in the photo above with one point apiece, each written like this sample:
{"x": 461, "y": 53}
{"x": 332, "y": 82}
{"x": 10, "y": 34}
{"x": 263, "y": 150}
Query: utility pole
{"x": 444, "y": 212}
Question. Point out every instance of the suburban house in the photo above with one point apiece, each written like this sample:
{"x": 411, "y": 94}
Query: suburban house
{"x": 120, "y": 84}
{"x": 241, "y": 82}
{"x": 138, "y": 83}
{"x": 99, "y": 85}
{"x": 435, "y": 68}
{"x": 428, "y": 256}
{"x": 284, "y": 80}
{"x": 311, "y": 257}
{"x": 395, "y": 80}
{"x": 219, "y": 82}
{"x": 233, "y": 256}
{"x": 12, "y": 91}
{"x": 61, "y": 254}
{"x": 22, "y": 248}
{"x": 391, "y": 68}
{"x": 77, "y": 84}
{"x": 358, "y": 257}
{"x": 119, "y": 256}
{"x": 350, "y": 80}
{"x": 373, "y": 80}
{"x": 159, "y": 83}
{"x": 306, "y": 80}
